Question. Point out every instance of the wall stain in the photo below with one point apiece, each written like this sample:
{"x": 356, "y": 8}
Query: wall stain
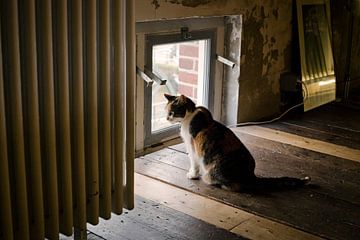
{"x": 252, "y": 45}
{"x": 191, "y": 3}
{"x": 276, "y": 13}
{"x": 155, "y": 3}
{"x": 188, "y": 3}
{"x": 262, "y": 12}
{"x": 275, "y": 54}
{"x": 262, "y": 60}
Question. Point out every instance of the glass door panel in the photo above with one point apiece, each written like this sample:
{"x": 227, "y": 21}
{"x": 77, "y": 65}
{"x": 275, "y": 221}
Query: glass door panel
{"x": 183, "y": 65}
{"x": 186, "y": 65}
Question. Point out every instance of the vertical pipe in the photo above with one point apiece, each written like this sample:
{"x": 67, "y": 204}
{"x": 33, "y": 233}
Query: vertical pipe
{"x": 91, "y": 117}
{"x": 347, "y": 75}
{"x": 104, "y": 111}
{"x": 63, "y": 116}
{"x": 118, "y": 108}
{"x": 9, "y": 14}
{"x": 130, "y": 103}
{"x": 48, "y": 122}
{"x": 77, "y": 119}
{"x": 6, "y": 231}
{"x": 32, "y": 120}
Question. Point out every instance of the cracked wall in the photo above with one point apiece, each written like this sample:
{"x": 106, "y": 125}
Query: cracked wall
{"x": 265, "y": 44}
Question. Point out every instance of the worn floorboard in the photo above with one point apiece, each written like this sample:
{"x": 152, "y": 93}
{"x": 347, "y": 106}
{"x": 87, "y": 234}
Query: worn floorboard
{"x": 221, "y": 215}
{"x": 331, "y": 123}
{"x": 340, "y": 137}
{"x": 330, "y": 118}
{"x": 330, "y": 175}
{"x": 151, "y": 220}
{"x": 329, "y": 207}
{"x": 323, "y": 144}
{"x": 302, "y": 142}
{"x": 305, "y": 209}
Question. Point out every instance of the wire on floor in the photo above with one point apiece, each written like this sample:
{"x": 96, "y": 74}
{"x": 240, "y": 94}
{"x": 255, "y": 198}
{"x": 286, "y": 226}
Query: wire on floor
{"x": 305, "y": 96}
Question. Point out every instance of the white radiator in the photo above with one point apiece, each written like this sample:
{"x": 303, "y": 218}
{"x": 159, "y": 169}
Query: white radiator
{"x": 67, "y": 72}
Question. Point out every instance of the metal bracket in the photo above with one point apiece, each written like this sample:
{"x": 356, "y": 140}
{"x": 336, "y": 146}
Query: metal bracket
{"x": 185, "y": 35}
{"x": 225, "y": 61}
{"x": 149, "y": 77}
{"x": 145, "y": 77}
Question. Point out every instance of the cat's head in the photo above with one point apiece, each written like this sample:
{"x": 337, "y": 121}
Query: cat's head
{"x": 177, "y": 107}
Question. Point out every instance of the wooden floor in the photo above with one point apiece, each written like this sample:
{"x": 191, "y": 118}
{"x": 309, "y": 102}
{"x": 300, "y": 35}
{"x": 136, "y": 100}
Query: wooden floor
{"x": 151, "y": 220}
{"x": 323, "y": 144}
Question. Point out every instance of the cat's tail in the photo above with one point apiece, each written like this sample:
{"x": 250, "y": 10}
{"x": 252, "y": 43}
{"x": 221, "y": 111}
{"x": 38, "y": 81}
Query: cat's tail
{"x": 263, "y": 184}
{"x": 281, "y": 182}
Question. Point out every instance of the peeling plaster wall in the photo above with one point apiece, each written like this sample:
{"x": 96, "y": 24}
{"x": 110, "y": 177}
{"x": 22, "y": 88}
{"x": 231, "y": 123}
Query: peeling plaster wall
{"x": 265, "y": 44}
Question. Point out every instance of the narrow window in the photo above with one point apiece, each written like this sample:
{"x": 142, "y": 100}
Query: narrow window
{"x": 186, "y": 65}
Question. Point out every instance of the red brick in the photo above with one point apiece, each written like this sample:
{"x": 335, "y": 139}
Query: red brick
{"x": 186, "y": 90}
{"x": 188, "y": 77}
{"x": 186, "y": 63}
{"x": 189, "y": 51}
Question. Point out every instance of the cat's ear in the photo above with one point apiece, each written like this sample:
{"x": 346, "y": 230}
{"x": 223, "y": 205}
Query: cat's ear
{"x": 169, "y": 97}
{"x": 182, "y": 98}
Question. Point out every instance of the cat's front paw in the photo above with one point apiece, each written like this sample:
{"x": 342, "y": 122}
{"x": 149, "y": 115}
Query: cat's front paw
{"x": 193, "y": 174}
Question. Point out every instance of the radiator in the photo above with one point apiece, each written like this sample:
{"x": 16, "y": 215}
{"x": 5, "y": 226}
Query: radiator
{"x": 67, "y": 72}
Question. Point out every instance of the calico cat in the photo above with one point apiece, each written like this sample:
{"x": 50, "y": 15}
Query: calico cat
{"x": 216, "y": 152}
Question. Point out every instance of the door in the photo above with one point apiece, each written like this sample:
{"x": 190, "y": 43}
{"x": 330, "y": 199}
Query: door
{"x": 185, "y": 60}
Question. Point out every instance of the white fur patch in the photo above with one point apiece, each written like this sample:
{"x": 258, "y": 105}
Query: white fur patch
{"x": 196, "y": 163}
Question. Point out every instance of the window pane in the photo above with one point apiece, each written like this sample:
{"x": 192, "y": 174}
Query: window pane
{"x": 183, "y": 65}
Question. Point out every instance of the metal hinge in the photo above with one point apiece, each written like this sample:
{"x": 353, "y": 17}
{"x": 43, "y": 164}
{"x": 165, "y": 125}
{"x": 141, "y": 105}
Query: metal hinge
{"x": 149, "y": 77}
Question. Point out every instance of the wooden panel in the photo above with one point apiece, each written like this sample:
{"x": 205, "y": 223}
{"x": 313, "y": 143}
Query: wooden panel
{"x": 216, "y": 213}
{"x": 200, "y": 207}
{"x": 342, "y": 138}
{"x": 331, "y": 118}
{"x": 276, "y": 159}
{"x": 307, "y": 143}
{"x": 179, "y": 147}
{"x": 337, "y": 177}
{"x": 151, "y": 220}
{"x": 171, "y": 157}
{"x": 264, "y": 229}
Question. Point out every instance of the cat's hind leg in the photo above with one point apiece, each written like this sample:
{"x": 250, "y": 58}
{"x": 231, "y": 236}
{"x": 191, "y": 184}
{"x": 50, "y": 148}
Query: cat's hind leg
{"x": 209, "y": 175}
{"x": 210, "y": 179}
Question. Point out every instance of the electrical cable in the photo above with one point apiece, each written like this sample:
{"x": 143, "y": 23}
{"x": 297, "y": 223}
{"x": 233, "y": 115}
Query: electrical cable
{"x": 305, "y": 96}
{"x": 269, "y": 121}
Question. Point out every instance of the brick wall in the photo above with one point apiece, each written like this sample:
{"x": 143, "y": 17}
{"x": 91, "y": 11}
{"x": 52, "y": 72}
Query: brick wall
{"x": 188, "y": 69}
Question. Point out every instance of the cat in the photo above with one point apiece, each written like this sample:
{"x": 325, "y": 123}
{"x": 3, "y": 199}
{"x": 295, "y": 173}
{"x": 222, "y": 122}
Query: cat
{"x": 216, "y": 154}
